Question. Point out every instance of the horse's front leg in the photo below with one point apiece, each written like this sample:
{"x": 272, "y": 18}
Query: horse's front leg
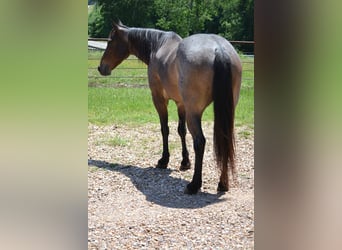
{"x": 185, "y": 164}
{"x": 161, "y": 106}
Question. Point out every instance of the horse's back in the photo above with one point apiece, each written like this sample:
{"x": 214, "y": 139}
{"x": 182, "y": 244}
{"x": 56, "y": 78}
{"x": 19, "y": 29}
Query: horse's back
{"x": 199, "y": 50}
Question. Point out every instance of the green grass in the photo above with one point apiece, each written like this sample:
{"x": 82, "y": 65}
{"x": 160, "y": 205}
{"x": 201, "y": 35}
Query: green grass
{"x": 114, "y": 142}
{"x": 134, "y": 105}
{"x": 244, "y": 114}
{"x": 247, "y": 71}
{"x": 130, "y": 71}
{"x": 120, "y": 105}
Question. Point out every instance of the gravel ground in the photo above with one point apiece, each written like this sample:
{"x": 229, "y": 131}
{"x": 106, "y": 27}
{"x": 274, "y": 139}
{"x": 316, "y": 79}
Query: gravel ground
{"x": 133, "y": 205}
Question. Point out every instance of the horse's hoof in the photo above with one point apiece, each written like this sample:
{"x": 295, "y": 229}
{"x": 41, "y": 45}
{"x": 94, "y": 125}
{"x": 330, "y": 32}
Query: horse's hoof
{"x": 162, "y": 163}
{"x": 222, "y": 188}
{"x": 190, "y": 189}
{"x": 161, "y": 166}
{"x": 185, "y": 167}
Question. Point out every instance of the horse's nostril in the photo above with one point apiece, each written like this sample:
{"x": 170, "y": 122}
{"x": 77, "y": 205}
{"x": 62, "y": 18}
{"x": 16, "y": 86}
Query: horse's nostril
{"x": 104, "y": 69}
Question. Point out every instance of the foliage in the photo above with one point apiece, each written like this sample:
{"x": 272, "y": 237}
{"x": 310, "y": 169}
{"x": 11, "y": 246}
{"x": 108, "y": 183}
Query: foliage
{"x": 237, "y": 20}
{"x": 183, "y": 16}
{"x": 96, "y": 22}
{"x": 131, "y": 12}
{"x": 233, "y": 19}
{"x": 172, "y": 15}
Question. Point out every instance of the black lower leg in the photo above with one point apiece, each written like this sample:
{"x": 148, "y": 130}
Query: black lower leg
{"x": 185, "y": 164}
{"x": 196, "y": 183}
{"x": 162, "y": 163}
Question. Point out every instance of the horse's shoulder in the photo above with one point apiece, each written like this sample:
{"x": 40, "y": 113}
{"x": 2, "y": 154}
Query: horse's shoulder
{"x": 169, "y": 46}
{"x": 171, "y": 35}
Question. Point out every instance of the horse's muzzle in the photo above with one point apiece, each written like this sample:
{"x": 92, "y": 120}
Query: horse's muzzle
{"x": 104, "y": 69}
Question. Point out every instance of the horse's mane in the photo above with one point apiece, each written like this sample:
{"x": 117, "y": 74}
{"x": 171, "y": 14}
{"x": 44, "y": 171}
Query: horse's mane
{"x": 147, "y": 41}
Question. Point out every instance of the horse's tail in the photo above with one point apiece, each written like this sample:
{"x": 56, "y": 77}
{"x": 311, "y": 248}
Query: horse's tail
{"x": 223, "y": 111}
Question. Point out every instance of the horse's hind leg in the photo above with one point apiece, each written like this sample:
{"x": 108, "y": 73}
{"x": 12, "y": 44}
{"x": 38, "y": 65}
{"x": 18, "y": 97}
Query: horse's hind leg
{"x": 194, "y": 124}
{"x": 185, "y": 164}
{"x": 160, "y": 104}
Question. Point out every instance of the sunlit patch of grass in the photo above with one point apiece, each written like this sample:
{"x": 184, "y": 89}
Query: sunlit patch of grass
{"x": 134, "y": 106}
{"x": 130, "y": 71}
{"x": 113, "y": 142}
{"x": 245, "y": 134}
{"x": 117, "y": 141}
{"x": 93, "y": 169}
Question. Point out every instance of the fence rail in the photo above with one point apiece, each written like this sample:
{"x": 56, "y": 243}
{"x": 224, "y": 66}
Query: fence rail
{"x": 134, "y": 73}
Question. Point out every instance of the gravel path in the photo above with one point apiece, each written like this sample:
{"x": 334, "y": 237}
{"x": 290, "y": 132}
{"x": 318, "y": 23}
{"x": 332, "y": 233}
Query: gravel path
{"x": 133, "y": 205}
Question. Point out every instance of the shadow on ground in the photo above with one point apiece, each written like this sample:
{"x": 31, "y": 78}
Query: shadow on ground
{"x": 160, "y": 187}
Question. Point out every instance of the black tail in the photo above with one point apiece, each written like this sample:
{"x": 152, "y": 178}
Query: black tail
{"x": 223, "y": 111}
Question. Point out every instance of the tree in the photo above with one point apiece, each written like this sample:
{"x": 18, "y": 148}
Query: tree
{"x": 237, "y": 21}
{"x": 172, "y": 15}
{"x": 233, "y": 19}
{"x": 201, "y": 13}
{"x": 130, "y": 12}
{"x": 95, "y": 22}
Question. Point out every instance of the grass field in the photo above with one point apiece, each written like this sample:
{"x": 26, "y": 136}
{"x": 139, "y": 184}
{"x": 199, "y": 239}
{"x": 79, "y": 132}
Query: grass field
{"x": 130, "y": 71}
{"x": 131, "y": 105}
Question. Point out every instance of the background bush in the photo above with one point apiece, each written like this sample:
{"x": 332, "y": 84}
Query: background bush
{"x": 233, "y": 19}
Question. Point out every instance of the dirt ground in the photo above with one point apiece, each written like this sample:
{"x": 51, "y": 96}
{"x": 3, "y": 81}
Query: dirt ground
{"x": 133, "y": 205}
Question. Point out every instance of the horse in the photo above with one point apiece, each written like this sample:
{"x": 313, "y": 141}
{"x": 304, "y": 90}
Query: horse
{"x": 193, "y": 72}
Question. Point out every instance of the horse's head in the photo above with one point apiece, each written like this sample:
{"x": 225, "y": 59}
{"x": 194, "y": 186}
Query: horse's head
{"x": 117, "y": 49}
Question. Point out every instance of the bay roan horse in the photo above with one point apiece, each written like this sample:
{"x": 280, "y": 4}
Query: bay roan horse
{"x": 193, "y": 72}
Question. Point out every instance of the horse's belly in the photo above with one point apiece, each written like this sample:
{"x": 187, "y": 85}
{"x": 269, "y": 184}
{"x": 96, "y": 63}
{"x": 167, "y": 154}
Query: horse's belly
{"x": 172, "y": 91}
{"x": 169, "y": 81}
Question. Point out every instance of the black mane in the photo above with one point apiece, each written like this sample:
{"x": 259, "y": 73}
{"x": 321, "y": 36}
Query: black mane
{"x": 146, "y": 42}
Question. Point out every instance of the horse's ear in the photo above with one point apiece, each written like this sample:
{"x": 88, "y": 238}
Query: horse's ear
{"x": 120, "y": 28}
{"x": 117, "y": 22}
{"x": 114, "y": 25}
{"x": 120, "y": 23}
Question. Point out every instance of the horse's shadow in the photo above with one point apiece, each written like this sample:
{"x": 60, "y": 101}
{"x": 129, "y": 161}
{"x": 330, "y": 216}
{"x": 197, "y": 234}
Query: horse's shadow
{"x": 159, "y": 187}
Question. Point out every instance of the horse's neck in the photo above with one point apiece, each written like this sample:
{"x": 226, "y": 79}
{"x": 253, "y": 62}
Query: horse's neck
{"x": 144, "y": 42}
